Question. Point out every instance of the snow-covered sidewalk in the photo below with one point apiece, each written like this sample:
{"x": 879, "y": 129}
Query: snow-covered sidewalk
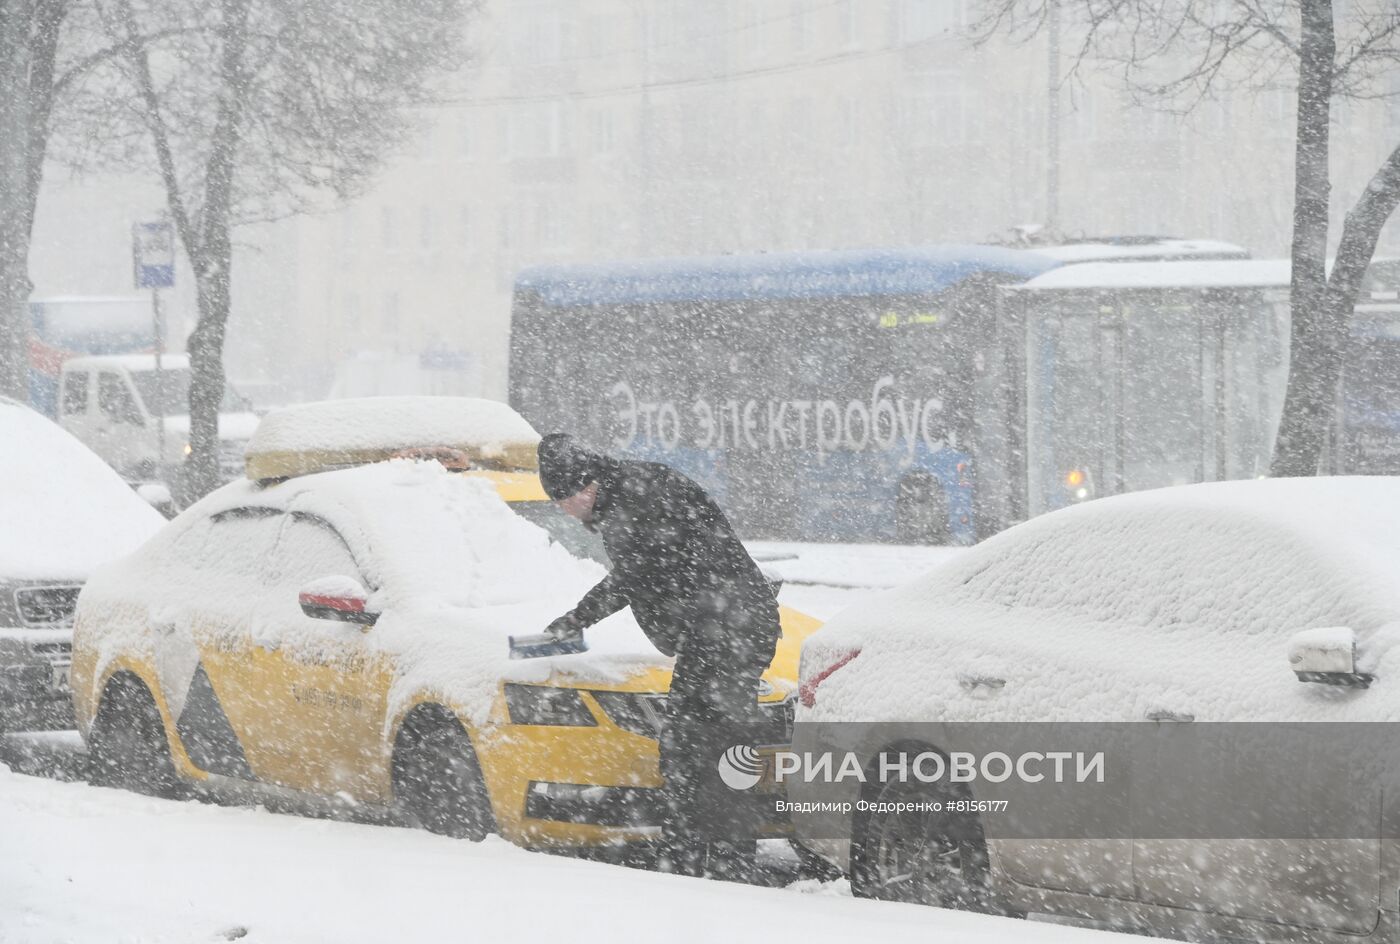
{"x": 88, "y": 865}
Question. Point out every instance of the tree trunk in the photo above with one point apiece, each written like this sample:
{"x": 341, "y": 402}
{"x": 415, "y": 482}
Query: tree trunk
{"x": 28, "y": 44}
{"x": 1316, "y": 342}
{"x": 211, "y": 255}
{"x": 205, "y": 347}
{"x": 16, "y": 19}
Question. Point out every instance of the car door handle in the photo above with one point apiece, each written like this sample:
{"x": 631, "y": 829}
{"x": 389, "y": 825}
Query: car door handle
{"x": 1162, "y": 714}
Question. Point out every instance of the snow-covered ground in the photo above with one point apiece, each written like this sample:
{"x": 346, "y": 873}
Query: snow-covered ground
{"x": 89, "y": 865}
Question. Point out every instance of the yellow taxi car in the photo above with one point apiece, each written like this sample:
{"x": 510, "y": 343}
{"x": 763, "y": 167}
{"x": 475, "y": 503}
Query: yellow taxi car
{"x": 334, "y": 625}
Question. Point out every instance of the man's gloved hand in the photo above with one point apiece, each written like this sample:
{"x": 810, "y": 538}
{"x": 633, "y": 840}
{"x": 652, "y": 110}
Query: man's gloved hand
{"x": 564, "y": 628}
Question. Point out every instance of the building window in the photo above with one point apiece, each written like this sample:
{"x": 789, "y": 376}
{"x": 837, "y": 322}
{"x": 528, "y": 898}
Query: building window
{"x": 391, "y": 312}
{"x": 924, "y": 19}
{"x": 464, "y": 138}
{"x": 801, "y": 28}
{"x": 847, "y": 122}
{"x": 847, "y": 23}
{"x": 388, "y": 228}
{"x": 752, "y": 27}
{"x": 602, "y": 130}
{"x": 425, "y": 227}
{"x": 352, "y": 312}
{"x": 537, "y": 130}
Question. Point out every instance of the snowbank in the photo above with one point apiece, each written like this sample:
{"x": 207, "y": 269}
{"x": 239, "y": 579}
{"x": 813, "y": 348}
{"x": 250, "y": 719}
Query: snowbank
{"x": 85, "y": 865}
{"x": 63, "y": 511}
{"x": 1181, "y": 599}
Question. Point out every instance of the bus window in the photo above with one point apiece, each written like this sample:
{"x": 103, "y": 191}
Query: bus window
{"x": 1165, "y": 399}
{"x": 1370, "y": 410}
{"x": 1255, "y": 364}
{"x": 1067, "y": 404}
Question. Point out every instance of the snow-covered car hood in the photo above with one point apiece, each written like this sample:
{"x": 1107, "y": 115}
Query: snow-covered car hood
{"x": 1181, "y": 600}
{"x": 64, "y": 511}
{"x": 232, "y": 426}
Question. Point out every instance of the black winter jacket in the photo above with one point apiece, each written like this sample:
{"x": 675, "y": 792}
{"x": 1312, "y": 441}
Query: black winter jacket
{"x": 675, "y": 557}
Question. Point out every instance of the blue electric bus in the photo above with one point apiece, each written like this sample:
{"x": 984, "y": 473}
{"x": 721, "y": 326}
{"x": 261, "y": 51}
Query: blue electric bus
{"x": 819, "y": 395}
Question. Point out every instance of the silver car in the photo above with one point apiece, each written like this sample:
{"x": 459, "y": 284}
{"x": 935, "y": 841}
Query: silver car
{"x": 1230, "y": 651}
{"x": 63, "y": 512}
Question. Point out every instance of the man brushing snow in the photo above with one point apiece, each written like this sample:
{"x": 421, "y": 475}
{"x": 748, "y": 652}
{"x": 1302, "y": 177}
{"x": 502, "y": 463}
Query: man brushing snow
{"x": 697, "y": 595}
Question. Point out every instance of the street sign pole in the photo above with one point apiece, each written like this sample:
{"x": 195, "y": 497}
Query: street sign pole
{"x": 158, "y": 329}
{"x": 153, "y": 259}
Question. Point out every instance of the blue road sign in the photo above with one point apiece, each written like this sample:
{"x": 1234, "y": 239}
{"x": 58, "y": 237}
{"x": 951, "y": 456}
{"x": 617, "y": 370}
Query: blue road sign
{"x": 153, "y": 253}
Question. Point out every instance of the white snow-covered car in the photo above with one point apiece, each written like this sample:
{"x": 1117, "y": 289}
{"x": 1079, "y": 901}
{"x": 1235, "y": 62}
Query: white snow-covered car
{"x": 334, "y": 627}
{"x": 1155, "y": 615}
{"x": 63, "y": 513}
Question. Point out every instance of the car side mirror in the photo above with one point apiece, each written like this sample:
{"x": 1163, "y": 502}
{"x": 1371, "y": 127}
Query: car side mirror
{"x": 337, "y": 598}
{"x": 1327, "y": 655}
{"x": 158, "y": 497}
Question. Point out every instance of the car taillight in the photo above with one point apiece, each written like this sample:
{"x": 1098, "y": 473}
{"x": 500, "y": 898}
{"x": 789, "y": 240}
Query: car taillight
{"x": 807, "y": 693}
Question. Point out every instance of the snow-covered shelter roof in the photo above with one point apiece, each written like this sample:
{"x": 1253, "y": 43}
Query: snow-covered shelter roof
{"x": 1144, "y": 250}
{"x": 777, "y": 275}
{"x": 1189, "y": 274}
{"x": 315, "y": 437}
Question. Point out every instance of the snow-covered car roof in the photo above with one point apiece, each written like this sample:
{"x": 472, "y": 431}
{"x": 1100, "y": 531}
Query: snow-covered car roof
{"x": 1131, "y": 595}
{"x": 422, "y": 532}
{"x": 330, "y": 434}
{"x": 1122, "y": 553}
{"x": 64, "y": 510}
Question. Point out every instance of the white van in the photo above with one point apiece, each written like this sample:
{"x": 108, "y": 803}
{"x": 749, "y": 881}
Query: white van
{"x": 115, "y": 404}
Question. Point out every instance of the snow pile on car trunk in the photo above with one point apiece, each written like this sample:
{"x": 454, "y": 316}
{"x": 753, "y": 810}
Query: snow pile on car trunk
{"x": 1180, "y": 600}
{"x": 64, "y": 510}
{"x": 313, "y": 437}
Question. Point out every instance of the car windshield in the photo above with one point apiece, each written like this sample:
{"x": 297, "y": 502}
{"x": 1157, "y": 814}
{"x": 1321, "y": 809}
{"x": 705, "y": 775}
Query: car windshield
{"x": 167, "y": 392}
{"x": 577, "y": 539}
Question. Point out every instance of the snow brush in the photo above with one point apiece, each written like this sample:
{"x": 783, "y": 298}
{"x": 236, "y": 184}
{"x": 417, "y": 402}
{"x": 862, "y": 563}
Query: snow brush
{"x": 539, "y": 645}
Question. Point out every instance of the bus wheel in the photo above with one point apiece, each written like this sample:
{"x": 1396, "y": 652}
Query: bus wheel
{"x": 921, "y": 510}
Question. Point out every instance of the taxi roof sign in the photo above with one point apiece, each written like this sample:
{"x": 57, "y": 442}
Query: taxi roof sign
{"x": 335, "y": 434}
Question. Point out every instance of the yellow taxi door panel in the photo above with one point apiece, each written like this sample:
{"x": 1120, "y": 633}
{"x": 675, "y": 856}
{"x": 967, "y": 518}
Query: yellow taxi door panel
{"x": 218, "y": 717}
{"x": 324, "y": 680}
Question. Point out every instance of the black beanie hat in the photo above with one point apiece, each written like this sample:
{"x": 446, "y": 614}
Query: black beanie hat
{"x": 566, "y": 468}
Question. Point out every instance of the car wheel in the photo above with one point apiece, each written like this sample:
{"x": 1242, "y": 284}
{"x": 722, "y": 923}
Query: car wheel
{"x": 438, "y": 783}
{"x": 921, "y": 510}
{"x": 127, "y": 745}
{"x": 922, "y": 857}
